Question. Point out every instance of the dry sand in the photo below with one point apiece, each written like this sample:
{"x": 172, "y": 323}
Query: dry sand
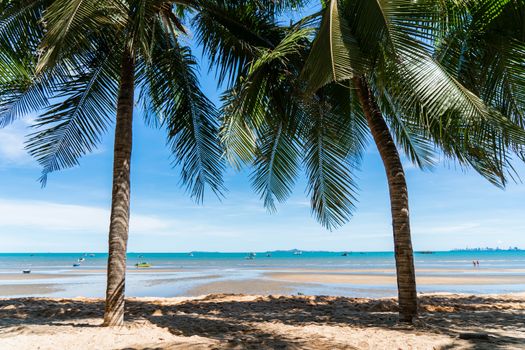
{"x": 225, "y": 321}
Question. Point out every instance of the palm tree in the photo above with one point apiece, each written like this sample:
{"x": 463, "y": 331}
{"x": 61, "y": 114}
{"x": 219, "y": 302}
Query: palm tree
{"x": 95, "y": 55}
{"x": 77, "y": 63}
{"x": 371, "y": 70}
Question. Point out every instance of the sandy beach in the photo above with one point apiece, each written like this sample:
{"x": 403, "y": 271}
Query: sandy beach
{"x": 226, "y": 321}
{"x": 276, "y": 303}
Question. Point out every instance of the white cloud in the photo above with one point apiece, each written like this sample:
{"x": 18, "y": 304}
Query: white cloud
{"x": 12, "y": 144}
{"x": 51, "y": 216}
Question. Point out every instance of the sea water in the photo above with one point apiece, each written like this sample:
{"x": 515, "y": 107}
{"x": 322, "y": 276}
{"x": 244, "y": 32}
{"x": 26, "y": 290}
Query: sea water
{"x": 180, "y": 272}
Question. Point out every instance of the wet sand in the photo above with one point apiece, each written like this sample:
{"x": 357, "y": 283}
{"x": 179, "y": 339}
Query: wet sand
{"x": 245, "y": 287}
{"x": 192, "y": 282}
{"x": 34, "y": 276}
{"x": 362, "y": 279}
{"x": 25, "y": 289}
{"x": 475, "y": 271}
{"x": 226, "y": 321}
{"x": 161, "y": 281}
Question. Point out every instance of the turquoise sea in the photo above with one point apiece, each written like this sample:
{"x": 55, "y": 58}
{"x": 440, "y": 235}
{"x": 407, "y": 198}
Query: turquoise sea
{"x": 55, "y": 262}
{"x": 180, "y": 273}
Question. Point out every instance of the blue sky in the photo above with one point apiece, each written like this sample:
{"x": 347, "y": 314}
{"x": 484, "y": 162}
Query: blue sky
{"x": 449, "y": 208}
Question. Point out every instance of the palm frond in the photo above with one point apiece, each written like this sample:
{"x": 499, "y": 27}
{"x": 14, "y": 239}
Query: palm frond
{"x": 457, "y": 120}
{"x": 231, "y": 36}
{"x": 335, "y": 54}
{"x": 237, "y": 135}
{"x": 275, "y": 167}
{"x": 292, "y": 45}
{"x": 190, "y": 119}
{"x": 335, "y": 140}
{"x": 20, "y": 91}
{"x": 72, "y": 126}
{"x": 74, "y": 26}
{"x": 412, "y": 137}
{"x": 21, "y": 24}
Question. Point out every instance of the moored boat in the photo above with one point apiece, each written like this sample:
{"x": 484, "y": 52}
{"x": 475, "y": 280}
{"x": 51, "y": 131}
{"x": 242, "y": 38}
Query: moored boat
{"x": 250, "y": 256}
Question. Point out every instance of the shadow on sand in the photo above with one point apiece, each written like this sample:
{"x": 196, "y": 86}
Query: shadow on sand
{"x": 235, "y": 323}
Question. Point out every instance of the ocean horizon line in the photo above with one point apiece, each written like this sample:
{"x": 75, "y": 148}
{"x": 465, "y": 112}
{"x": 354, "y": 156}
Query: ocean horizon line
{"x": 268, "y": 251}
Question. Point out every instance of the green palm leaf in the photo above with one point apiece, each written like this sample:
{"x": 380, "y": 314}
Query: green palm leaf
{"x": 335, "y": 54}
{"x": 190, "y": 119}
{"x": 74, "y": 26}
{"x": 72, "y": 126}
{"x": 335, "y": 140}
{"x": 275, "y": 167}
{"x": 20, "y": 24}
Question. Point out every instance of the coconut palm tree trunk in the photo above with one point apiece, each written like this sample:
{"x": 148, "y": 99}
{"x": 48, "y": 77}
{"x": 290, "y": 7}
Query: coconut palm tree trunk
{"x": 120, "y": 200}
{"x": 406, "y": 279}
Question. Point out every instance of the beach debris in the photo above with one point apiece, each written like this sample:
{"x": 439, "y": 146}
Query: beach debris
{"x": 476, "y": 336}
{"x": 142, "y": 264}
{"x": 26, "y": 271}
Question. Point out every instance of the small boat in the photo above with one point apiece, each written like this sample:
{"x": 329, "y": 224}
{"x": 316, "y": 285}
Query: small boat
{"x": 142, "y": 264}
{"x": 268, "y": 255}
{"x": 141, "y": 256}
{"x": 76, "y": 265}
{"x": 26, "y": 271}
{"x": 297, "y": 252}
{"x": 344, "y": 254}
{"x": 426, "y": 252}
{"x": 250, "y": 256}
